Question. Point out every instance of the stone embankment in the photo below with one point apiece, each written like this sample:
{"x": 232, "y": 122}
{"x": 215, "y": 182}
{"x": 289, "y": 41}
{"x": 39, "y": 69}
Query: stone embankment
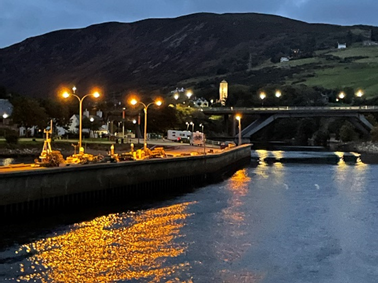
{"x": 368, "y": 151}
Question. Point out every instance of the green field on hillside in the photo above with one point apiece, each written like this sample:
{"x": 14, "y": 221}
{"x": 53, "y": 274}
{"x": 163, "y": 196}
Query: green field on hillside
{"x": 356, "y": 67}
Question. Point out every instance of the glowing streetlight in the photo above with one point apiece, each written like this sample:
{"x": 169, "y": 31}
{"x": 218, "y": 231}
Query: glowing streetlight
{"x": 187, "y": 125}
{"x": 238, "y": 117}
{"x": 176, "y": 96}
{"x": 189, "y": 93}
{"x": 341, "y": 95}
{"x": 145, "y": 107}
{"x": 202, "y": 126}
{"x": 359, "y": 93}
{"x": 5, "y": 115}
{"x": 278, "y": 93}
{"x": 262, "y": 97}
{"x": 66, "y": 95}
{"x": 191, "y": 123}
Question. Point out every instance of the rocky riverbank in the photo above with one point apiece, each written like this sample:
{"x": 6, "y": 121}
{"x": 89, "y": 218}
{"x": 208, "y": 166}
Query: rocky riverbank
{"x": 368, "y": 151}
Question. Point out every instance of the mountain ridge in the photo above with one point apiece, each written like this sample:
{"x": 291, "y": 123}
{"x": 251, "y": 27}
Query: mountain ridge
{"x": 157, "y": 54}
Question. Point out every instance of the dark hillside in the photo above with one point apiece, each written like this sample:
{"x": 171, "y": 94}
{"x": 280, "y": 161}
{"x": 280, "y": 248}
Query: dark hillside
{"x": 158, "y": 53}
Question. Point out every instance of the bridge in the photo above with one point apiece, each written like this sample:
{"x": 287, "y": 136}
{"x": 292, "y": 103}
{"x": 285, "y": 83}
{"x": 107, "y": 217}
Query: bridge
{"x": 266, "y": 115}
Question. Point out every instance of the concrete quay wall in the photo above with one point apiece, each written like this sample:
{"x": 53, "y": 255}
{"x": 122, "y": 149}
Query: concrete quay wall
{"x": 39, "y": 190}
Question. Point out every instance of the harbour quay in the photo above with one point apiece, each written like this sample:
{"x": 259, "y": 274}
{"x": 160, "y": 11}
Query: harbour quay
{"x": 27, "y": 192}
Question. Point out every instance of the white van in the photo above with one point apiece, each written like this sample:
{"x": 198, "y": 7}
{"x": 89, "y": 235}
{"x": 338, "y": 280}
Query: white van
{"x": 174, "y": 135}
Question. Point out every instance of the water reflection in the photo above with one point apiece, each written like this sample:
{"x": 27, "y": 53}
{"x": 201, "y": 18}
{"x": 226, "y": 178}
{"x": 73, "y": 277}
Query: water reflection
{"x": 125, "y": 246}
{"x": 234, "y": 244}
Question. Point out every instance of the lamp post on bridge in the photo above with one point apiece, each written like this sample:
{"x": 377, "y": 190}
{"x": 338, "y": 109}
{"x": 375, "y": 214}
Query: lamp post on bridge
{"x": 262, "y": 97}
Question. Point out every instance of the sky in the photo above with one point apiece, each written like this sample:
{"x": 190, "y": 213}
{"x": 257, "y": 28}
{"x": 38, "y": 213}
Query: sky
{"x": 21, "y": 19}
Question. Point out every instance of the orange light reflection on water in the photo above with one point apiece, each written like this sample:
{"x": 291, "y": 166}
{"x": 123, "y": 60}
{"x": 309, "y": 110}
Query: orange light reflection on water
{"x": 110, "y": 248}
{"x": 234, "y": 245}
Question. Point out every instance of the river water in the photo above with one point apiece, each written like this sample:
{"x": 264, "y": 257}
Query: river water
{"x": 271, "y": 223}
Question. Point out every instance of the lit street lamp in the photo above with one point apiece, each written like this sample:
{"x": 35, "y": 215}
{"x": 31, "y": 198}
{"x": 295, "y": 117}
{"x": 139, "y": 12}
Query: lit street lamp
{"x": 191, "y": 123}
{"x": 359, "y": 93}
{"x": 66, "y": 95}
{"x": 187, "y": 125}
{"x": 262, "y": 97}
{"x": 278, "y": 94}
{"x": 340, "y": 96}
{"x": 176, "y": 96}
{"x": 202, "y": 126}
{"x": 189, "y": 94}
{"x": 203, "y": 139}
{"x": 5, "y": 115}
{"x": 238, "y": 117}
{"x": 145, "y": 107}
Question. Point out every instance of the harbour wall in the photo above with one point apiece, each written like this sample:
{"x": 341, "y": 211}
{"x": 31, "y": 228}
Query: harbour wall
{"x": 42, "y": 190}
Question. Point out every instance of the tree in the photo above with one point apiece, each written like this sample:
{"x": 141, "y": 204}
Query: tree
{"x": 374, "y": 134}
{"x": 347, "y": 132}
{"x": 28, "y": 112}
{"x": 305, "y": 131}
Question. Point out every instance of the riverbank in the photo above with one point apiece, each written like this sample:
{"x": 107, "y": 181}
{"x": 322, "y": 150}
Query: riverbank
{"x": 368, "y": 150}
{"x": 42, "y": 189}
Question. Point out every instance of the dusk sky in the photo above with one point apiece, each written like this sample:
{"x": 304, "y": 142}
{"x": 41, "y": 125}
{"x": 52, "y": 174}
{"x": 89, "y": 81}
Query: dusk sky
{"x": 20, "y": 19}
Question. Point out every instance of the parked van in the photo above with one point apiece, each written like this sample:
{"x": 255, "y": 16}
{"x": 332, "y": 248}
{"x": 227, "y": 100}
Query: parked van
{"x": 174, "y": 135}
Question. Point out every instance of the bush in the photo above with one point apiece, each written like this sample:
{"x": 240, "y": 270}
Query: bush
{"x": 11, "y": 137}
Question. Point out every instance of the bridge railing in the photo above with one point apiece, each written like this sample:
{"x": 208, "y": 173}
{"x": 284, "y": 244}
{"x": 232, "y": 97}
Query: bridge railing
{"x": 289, "y": 108}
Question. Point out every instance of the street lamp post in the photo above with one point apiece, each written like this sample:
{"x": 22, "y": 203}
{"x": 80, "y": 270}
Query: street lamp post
{"x": 66, "y": 95}
{"x": 189, "y": 93}
{"x": 5, "y": 115}
{"x": 203, "y": 139}
{"x": 262, "y": 97}
{"x": 145, "y": 107}
{"x": 187, "y": 125}
{"x": 123, "y": 122}
{"x": 238, "y": 117}
{"x": 341, "y": 96}
{"x": 202, "y": 126}
{"x": 191, "y": 123}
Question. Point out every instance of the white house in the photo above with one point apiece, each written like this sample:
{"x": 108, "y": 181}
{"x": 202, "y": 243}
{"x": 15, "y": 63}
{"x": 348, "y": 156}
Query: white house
{"x": 284, "y": 59}
{"x": 74, "y": 124}
{"x": 201, "y": 102}
{"x": 341, "y": 45}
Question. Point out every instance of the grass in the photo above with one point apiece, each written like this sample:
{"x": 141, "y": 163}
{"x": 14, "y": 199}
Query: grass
{"x": 355, "y": 73}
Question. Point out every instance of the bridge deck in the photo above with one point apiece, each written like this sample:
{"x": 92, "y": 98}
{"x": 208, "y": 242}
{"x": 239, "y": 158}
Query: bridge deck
{"x": 289, "y": 110}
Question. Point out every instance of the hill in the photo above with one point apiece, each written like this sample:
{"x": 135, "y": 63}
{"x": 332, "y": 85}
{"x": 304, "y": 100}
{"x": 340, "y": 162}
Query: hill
{"x": 194, "y": 51}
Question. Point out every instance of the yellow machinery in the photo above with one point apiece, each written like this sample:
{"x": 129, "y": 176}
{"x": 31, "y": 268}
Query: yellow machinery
{"x": 48, "y": 157}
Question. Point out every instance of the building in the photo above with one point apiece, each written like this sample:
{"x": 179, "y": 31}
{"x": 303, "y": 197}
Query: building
{"x": 223, "y": 92}
{"x": 201, "y": 102}
{"x": 284, "y": 59}
{"x": 341, "y": 45}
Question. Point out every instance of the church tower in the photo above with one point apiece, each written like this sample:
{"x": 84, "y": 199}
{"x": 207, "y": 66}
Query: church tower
{"x": 223, "y": 92}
